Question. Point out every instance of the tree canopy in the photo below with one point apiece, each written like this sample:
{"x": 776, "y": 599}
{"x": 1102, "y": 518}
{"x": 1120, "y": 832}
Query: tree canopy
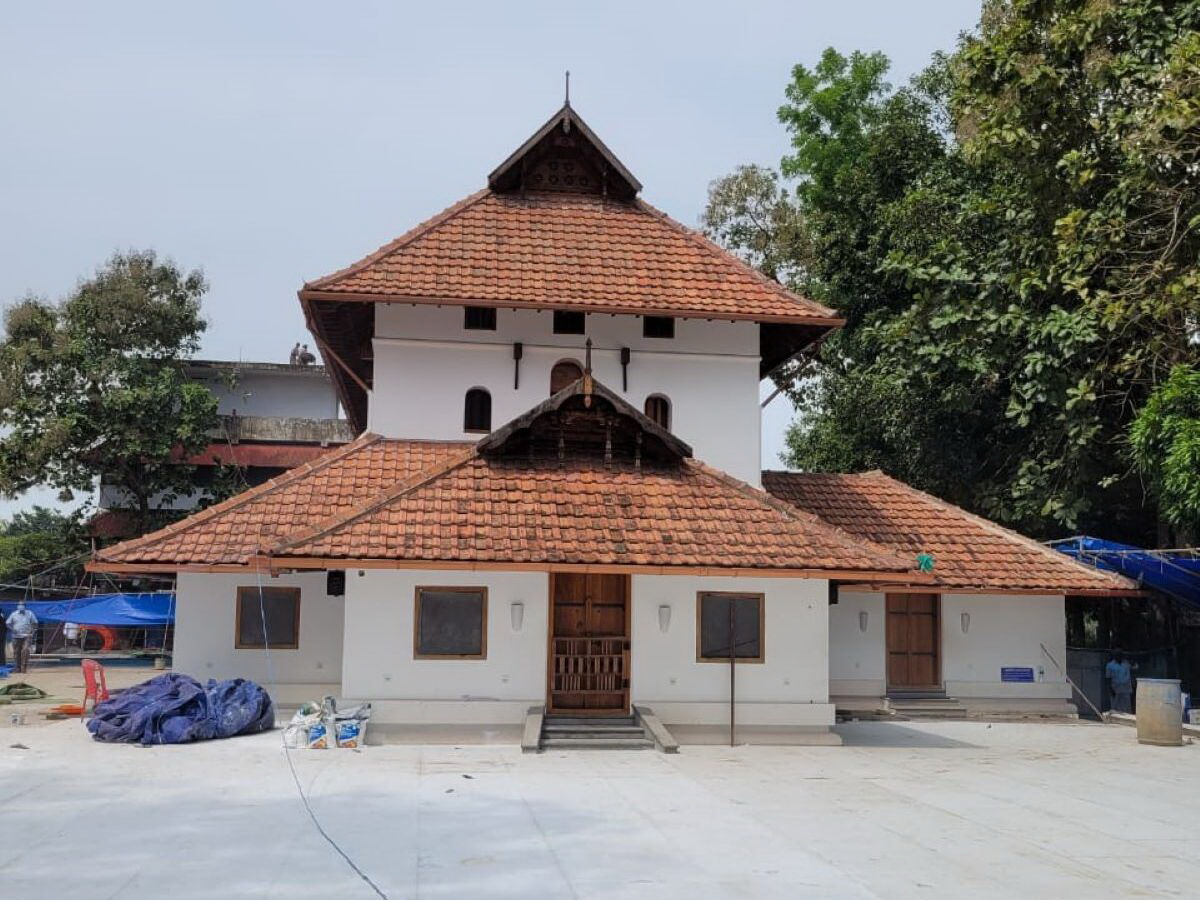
{"x": 1013, "y": 240}
{"x": 42, "y": 544}
{"x": 94, "y": 385}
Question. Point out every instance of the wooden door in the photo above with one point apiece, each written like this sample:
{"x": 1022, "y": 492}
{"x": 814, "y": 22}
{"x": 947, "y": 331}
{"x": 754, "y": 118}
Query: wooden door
{"x": 589, "y": 644}
{"x": 914, "y": 641}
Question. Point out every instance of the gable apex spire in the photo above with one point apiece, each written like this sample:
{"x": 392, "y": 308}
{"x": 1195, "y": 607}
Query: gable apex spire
{"x": 565, "y": 155}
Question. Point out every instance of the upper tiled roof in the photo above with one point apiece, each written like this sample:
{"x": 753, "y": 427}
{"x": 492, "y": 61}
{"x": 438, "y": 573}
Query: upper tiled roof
{"x": 969, "y": 552}
{"x": 581, "y": 511}
{"x": 232, "y": 532}
{"x": 570, "y": 251}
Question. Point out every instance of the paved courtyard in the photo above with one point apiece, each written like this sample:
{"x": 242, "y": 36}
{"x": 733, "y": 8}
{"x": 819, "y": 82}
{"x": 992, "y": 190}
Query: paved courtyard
{"x": 950, "y": 809}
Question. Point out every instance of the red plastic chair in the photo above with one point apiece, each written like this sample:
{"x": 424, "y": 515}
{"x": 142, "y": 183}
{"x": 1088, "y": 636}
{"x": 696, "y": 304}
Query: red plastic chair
{"x": 93, "y": 685}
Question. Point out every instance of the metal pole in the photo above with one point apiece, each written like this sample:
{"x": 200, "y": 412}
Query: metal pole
{"x": 1099, "y": 715}
{"x": 732, "y": 669}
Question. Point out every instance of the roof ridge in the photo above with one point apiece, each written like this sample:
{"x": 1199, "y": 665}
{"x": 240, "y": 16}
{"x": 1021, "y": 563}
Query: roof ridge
{"x": 373, "y": 504}
{"x": 993, "y": 527}
{"x": 802, "y": 515}
{"x": 365, "y": 439}
{"x": 398, "y": 243}
{"x": 796, "y": 474}
{"x": 708, "y": 244}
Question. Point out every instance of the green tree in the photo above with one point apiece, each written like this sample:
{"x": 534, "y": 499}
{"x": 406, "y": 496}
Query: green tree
{"x": 1012, "y": 238}
{"x": 94, "y": 385}
{"x": 43, "y": 544}
{"x": 1166, "y": 447}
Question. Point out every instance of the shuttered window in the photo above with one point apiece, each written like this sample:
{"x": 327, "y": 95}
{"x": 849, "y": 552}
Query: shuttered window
{"x": 477, "y": 411}
{"x": 450, "y": 623}
{"x": 276, "y": 608}
{"x": 729, "y": 624}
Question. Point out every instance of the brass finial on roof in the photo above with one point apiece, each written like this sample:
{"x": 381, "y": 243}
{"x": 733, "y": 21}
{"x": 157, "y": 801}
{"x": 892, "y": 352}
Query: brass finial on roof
{"x": 587, "y": 374}
{"x": 567, "y": 93}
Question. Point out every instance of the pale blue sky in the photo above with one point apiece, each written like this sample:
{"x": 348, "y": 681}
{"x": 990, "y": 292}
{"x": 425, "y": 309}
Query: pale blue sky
{"x": 271, "y": 142}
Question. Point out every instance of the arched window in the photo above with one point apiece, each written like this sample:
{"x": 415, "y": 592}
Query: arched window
{"x": 477, "y": 412}
{"x": 658, "y": 410}
{"x": 564, "y": 373}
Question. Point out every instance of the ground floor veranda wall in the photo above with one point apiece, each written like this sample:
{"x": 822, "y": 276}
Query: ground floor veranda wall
{"x": 360, "y": 647}
{"x": 1000, "y": 631}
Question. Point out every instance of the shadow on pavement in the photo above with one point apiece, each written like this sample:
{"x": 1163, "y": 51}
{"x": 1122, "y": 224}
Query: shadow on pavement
{"x": 893, "y": 734}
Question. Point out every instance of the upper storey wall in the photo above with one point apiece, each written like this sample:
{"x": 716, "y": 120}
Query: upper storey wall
{"x": 255, "y": 392}
{"x": 426, "y": 361}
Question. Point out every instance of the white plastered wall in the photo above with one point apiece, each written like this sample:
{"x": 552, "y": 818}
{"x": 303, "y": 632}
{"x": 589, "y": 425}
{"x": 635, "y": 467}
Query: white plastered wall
{"x": 205, "y": 625}
{"x": 857, "y": 658}
{"x": 425, "y": 362}
{"x": 1005, "y": 630}
{"x": 379, "y": 664}
{"x": 789, "y": 688}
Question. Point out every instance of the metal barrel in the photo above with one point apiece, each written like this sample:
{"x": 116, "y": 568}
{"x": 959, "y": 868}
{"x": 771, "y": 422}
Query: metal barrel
{"x": 1159, "y": 712}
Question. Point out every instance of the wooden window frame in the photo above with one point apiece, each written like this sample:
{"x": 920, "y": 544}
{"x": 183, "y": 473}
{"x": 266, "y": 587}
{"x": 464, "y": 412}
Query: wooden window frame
{"x": 466, "y": 410}
{"x": 252, "y": 592}
{"x": 762, "y": 627}
{"x": 664, "y": 425}
{"x": 564, "y": 362}
{"x": 564, "y": 313}
{"x": 658, "y": 321}
{"x": 467, "y": 312}
{"x": 449, "y": 589}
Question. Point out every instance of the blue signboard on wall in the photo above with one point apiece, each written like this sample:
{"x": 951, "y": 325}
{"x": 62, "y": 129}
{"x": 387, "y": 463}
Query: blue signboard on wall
{"x": 1016, "y": 673}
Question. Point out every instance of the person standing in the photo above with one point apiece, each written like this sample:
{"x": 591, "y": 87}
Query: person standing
{"x": 22, "y": 622}
{"x": 1120, "y": 684}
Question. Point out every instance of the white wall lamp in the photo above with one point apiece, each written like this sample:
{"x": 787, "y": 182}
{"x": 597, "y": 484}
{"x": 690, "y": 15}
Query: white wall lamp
{"x": 664, "y": 618}
{"x": 863, "y": 618}
{"x": 516, "y": 613}
{"x": 965, "y": 621}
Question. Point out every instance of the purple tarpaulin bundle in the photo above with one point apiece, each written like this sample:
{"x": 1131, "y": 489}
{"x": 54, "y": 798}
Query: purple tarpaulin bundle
{"x": 178, "y": 709}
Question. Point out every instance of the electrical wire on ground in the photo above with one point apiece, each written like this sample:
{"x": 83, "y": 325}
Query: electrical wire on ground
{"x": 287, "y": 751}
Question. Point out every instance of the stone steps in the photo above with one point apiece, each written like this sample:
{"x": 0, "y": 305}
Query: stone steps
{"x": 925, "y": 707}
{"x": 594, "y": 733}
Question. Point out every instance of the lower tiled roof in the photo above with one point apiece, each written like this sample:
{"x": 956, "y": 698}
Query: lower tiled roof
{"x": 969, "y": 552}
{"x": 233, "y": 532}
{"x": 584, "y": 511}
{"x": 408, "y": 501}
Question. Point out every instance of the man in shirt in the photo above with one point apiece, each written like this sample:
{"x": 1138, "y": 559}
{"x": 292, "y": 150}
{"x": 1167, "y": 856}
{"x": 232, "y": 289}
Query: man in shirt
{"x": 1120, "y": 683}
{"x": 21, "y": 623}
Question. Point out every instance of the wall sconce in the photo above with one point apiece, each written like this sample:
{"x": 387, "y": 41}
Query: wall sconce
{"x": 965, "y": 621}
{"x": 664, "y": 618}
{"x": 516, "y": 612}
{"x": 863, "y": 618}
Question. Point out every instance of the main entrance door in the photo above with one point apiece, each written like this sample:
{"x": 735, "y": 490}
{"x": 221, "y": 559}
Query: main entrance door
{"x": 913, "y": 642}
{"x": 589, "y": 644}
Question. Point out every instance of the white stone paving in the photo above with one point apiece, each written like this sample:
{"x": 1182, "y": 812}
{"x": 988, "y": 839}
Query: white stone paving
{"x": 950, "y": 809}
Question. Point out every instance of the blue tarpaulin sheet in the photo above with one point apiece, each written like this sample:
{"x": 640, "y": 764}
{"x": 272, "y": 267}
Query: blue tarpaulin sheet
{"x": 178, "y": 709}
{"x": 128, "y": 610}
{"x": 1172, "y": 572}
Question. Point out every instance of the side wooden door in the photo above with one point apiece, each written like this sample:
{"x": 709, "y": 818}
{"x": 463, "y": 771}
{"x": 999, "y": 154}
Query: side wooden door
{"x": 914, "y": 641}
{"x": 589, "y": 644}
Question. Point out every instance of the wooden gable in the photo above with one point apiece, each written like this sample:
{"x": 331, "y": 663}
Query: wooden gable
{"x": 565, "y": 155}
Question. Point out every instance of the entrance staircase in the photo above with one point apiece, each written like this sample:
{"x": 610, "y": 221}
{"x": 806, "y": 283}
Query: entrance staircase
{"x": 918, "y": 705}
{"x": 639, "y": 731}
{"x": 596, "y": 733}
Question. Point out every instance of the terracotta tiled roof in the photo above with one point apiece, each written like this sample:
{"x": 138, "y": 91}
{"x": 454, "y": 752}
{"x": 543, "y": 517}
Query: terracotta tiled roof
{"x": 230, "y": 533}
{"x": 502, "y": 510}
{"x": 571, "y": 251}
{"x": 969, "y": 552}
